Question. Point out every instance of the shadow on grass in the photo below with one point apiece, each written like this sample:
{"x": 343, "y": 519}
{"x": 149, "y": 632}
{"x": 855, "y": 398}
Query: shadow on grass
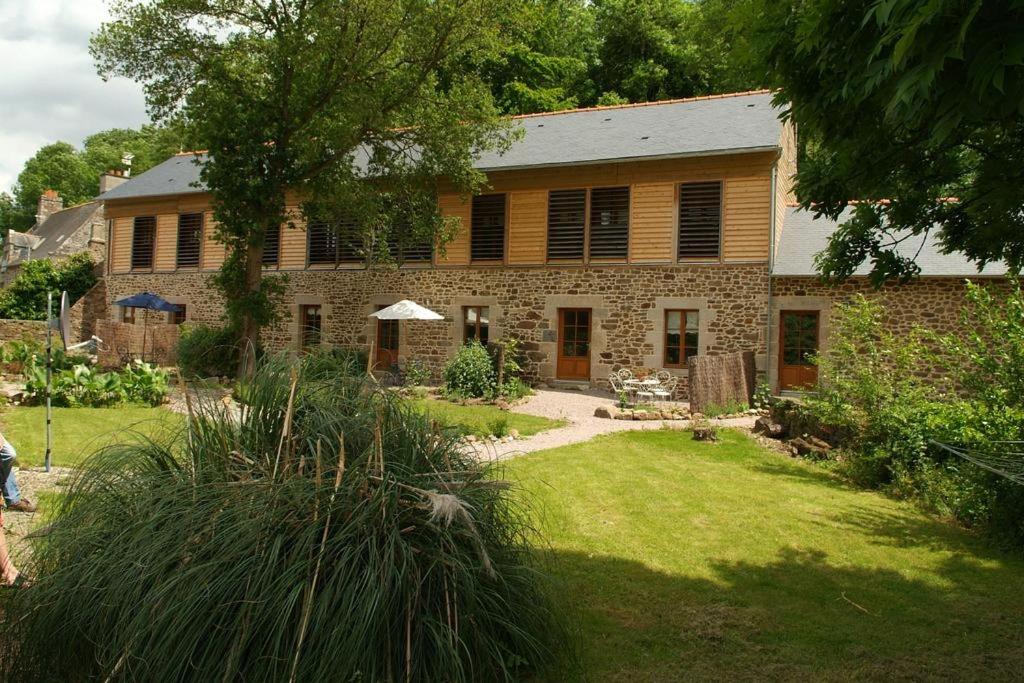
{"x": 799, "y": 616}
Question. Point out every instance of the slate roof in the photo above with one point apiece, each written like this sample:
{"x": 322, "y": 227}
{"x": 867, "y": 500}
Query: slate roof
{"x": 803, "y": 237}
{"x": 702, "y": 126}
{"x": 56, "y": 229}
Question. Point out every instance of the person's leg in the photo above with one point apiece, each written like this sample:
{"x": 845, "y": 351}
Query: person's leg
{"x": 11, "y": 493}
{"x": 8, "y": 573}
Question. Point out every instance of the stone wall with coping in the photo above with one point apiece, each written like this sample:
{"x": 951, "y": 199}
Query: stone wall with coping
{"x": 627, "y": 302}
{"x": 11, "y": 330}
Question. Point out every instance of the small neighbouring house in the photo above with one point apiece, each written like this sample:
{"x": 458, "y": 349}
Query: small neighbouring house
{"x": 635, "y": 235}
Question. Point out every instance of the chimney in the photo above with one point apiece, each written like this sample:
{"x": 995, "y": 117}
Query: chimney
{"x": 111, "y": 179}
{"x": 49, "y": 203}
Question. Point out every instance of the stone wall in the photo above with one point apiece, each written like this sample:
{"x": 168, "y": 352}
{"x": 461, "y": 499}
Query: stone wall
{"x": 627, "y": 304}
{"x": 124, "y": 342}
{"x": 87, "y": 310}
{"x": 11, "y": 330}
{"x": 933, "y": 303}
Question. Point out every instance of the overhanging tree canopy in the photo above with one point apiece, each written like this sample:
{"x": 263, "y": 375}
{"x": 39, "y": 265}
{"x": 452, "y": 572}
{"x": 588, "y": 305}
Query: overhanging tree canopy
{"x": 315, "y": 97}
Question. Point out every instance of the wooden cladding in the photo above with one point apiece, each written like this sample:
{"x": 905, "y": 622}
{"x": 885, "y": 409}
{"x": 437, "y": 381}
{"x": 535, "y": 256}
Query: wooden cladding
{"x": 272, "y": 247}
{"x": 143, "y": 242}
{"x": 487, "y": 231}
{"x": 190, "y": 240}
{"x": 567, "y": 224}
{"x": 609, "y": 223}
{"x": 700, "y": 220}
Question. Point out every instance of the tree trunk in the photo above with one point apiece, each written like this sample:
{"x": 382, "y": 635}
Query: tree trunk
{"x": 249, "y": 334}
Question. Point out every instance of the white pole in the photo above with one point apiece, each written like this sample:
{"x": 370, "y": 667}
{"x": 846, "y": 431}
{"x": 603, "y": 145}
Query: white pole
{"x": 49, "y": 376}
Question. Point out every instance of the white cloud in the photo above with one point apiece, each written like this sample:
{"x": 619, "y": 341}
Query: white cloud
{"x": 49, "y": 89}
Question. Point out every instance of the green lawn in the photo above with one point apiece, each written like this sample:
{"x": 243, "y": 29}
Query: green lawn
{"x": 686, "y": 560}
{"x": 479, "y": 419}
{"x": 77, "y": 432}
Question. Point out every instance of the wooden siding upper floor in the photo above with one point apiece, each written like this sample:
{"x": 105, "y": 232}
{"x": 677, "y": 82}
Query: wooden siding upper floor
{"x": 653, "y": 214}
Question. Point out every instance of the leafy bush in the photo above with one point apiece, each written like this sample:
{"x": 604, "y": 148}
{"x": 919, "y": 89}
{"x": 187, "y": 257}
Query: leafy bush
{"x": 416, "y": 373}
{"x": 470, "y": 374}
{"x": 84, "y": 386}
{"x": 25, "y": 297}
{"x": 207, "y": 351}
{"x": 348, "y": 539}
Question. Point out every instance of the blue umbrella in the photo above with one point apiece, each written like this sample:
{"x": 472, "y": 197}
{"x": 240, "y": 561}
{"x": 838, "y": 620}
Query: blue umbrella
{"x": 150, "y": 302}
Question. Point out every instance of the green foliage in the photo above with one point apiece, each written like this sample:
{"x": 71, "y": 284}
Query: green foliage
{"x": 927, "y": 95}
{"x": 762, "y": 396}
{"x": 337, "y": 361}
{"x": 470, "y": 374}
{"x": 498, "y": 426}
{"x": 348, "y": 539}
{"x": 417, "y": 374}
{"x": 207, "y": 351}
{"x": 84, "y": 386}
{"x": 25, "y": 297}
{"x": 729, "y": 408}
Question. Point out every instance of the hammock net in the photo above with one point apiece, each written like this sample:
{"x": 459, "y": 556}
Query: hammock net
{"x": 1008, "y": 464}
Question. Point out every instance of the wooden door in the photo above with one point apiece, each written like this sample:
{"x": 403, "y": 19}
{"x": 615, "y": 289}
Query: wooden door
{"x": 798, "y": 342}
{"x": 387, "y": 343}
{"x": 574, "y": 326}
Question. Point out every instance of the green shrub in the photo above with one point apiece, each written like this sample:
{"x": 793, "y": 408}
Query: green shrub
{"x": 25, "y": 297}
{"x": 335, "y": 361}
{"x": 207, "y": 351}
{"x": 498, "y": 426}
{"x": 470, "y": 374}
{"x": 730, "y": 408}
{"x": 416, "y": 373}
{"x": 84, "y": 386}
{"x": 355, "y": 541}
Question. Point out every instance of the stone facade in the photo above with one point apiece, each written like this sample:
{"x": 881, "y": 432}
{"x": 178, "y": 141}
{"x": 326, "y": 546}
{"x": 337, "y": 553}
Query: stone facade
{"x": 627, "y": 304}
{"x": 932, "y": 303}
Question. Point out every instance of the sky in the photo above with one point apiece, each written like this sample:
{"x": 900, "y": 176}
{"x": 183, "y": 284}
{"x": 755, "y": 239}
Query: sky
{"x": 49, "y": 89}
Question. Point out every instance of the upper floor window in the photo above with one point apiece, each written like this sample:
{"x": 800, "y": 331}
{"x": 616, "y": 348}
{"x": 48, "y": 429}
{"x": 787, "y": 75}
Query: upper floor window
{"x": 681, "y": 334}
{"x": 487, "y": 230}
{"x": 476, "y": 323}
{"x": 190, "y": 237}
{"x": 333, "y": 244}
{"x": 143, "y": 241}
{"x": 607, "y": 223}
{"x": 272, "y": 247}
{"x": 417, "y": 252}
{"x": 700, "y": 220}
{"x": 567, "y": 223}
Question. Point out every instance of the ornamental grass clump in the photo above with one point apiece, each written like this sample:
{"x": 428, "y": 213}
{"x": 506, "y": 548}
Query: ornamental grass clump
{"x": 322, "y": 531}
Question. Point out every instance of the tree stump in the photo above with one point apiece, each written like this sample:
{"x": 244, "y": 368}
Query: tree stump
{"x": 706, "y": 433}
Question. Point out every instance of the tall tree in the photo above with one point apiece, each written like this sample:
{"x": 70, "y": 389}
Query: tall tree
{"x": 917, "y": 108}
{"x": 59, "y": 167}
{"x": 356, "y": 106}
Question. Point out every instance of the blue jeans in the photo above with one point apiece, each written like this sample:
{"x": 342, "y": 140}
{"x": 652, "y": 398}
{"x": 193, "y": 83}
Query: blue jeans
{"x": 12, "y": 495}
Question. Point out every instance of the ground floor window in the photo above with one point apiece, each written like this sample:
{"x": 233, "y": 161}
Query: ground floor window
{"x": 310, "y": 325}
{"x": 476, "y": 323}
{"x": 177, "y": 317}
{"x": 387, "y": 343}
{"x": 681, "y": 334}
{"x": 128, "y": 314}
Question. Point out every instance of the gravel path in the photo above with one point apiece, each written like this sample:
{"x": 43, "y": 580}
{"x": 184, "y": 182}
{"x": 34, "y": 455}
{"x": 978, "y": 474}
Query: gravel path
{"x": 32, "y": 481}
{"x": 577, "y": 408}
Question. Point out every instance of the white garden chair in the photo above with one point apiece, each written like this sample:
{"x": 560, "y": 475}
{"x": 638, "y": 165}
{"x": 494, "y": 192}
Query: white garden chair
{"x": 666, "y": 389}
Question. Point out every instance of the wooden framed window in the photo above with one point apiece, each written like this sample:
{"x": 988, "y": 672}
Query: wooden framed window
{"x": 128, "y": 315}
{"x": 567, "y": 223}
{"x": 143, "y": 241}
{"x": 190, "y": 239}
{"x": 417, "y": 252}
{"x": 310, "y": 326}
{"x": 177, "y": 317}
{"x": 681, "y": 337}
{"x": 609, "y": 222}
{"x": 272, "y": 247}
{"x": 700, "y": 220}
{"x": 476, "y": 321}
{"x": 487, "y": 229}
{"x": 333, "y": 244}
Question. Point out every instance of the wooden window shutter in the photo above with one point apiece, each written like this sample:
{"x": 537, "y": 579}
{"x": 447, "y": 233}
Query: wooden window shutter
{"x": 609, "y": 222}
{"x": 567, "y": 216}
{"x": 487, "y": 234}
{"x": 272, "y": 247}
{"x": 700, "y": 220}
{"x": 334, "y": 243}
{"x": 419, "y": 252}
{"x": 190, "y": 237}
{"x": 143, "y": 241}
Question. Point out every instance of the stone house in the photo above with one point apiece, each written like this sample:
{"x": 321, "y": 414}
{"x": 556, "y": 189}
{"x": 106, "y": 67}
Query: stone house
{"x": 623, "y": 236}
{"x": 60, "y": 232}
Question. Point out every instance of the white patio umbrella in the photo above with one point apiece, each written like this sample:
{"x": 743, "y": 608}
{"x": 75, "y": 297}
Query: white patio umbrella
{"x": 403, "y": 310}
